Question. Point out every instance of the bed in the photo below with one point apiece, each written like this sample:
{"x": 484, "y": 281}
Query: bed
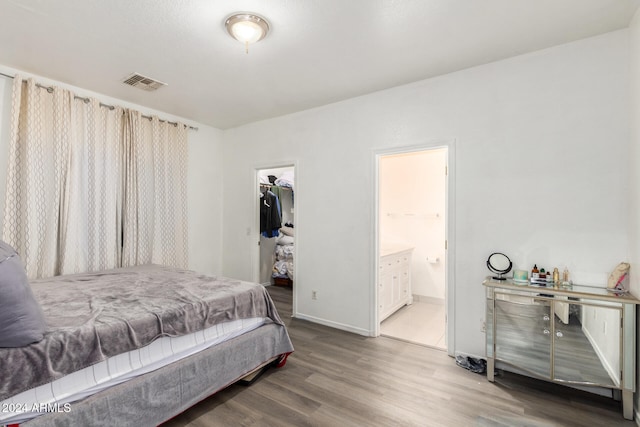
{"x": 137, "y": 346}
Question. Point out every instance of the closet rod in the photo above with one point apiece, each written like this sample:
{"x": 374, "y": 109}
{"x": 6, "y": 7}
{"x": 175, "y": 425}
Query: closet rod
{"x": 262, "y": 184}
{"x": 110, "y": 107}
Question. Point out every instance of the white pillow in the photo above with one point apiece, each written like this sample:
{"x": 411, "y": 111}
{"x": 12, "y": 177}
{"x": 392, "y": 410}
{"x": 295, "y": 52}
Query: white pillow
{"x": 285, "y": 240}
{"x": 287, "y": 231}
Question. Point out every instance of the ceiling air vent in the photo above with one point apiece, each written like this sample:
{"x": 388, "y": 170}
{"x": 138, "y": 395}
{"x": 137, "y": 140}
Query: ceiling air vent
{"x": 142, "y": 82}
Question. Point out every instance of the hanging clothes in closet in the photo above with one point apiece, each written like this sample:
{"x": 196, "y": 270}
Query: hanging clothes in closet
{"x": 278, "y": 192}
{"x": 270, "y": 215}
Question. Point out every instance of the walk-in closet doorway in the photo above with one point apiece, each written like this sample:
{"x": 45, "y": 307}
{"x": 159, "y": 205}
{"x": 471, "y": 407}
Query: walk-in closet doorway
{"x": 275, "y": 222}
{"x": 412, "y": 231}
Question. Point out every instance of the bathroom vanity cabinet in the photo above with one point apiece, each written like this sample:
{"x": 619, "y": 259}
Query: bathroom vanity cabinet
{"x": 394, "y": 280}
{"x": 578, "y": 336}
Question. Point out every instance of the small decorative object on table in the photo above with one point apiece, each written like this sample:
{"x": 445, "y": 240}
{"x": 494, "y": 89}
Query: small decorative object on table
{"x": 618, "y": 279}
{"x": 500, "y": 264}
{"x": 520, "y": 276}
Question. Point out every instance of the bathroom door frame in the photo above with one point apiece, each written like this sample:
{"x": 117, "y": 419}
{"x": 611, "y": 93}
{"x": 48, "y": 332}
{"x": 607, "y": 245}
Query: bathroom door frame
{"x": 449, "y": 146}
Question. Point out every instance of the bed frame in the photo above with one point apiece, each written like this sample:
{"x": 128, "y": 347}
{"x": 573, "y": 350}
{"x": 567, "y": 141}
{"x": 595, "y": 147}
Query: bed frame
{"x": 158, "y": 396}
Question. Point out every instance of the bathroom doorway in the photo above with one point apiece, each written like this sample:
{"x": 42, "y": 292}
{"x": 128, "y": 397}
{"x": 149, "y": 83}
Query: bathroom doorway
{"x": 412, "y": 246}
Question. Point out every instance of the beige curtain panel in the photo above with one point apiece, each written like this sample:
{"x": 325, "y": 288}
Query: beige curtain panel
{"x": 155, "y": 205}
{"x": 91, "y": 188}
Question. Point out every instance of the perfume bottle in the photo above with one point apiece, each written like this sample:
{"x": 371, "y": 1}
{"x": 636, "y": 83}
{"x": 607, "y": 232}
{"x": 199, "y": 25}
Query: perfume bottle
{"x": 565, "y": 277}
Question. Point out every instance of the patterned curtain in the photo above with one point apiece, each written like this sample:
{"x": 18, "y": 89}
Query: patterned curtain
{"x": 91, "y": 188}
{"x": 38, "y": 158}
{"x": 90, "y": 235}
{"x": 155, "y": 196}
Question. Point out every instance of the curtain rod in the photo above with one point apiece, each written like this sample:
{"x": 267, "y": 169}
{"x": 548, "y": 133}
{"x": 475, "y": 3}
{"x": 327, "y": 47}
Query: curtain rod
{"x": 110, "y": 107}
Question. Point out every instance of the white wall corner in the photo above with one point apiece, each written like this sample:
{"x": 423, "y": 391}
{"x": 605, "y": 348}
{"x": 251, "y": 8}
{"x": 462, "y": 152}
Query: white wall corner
{"x": 634, "y": 196}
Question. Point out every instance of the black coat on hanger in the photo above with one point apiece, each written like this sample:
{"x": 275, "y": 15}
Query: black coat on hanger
{"x": 270, "y": 221}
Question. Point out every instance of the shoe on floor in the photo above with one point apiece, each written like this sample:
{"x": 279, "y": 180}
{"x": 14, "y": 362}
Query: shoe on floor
{"x": 479, "y": 366}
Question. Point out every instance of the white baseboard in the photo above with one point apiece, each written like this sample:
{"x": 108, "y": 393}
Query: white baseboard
{"x": 428, "y": 300}
{"x": 336, "y": 325}
{"x": 458, "y": 353}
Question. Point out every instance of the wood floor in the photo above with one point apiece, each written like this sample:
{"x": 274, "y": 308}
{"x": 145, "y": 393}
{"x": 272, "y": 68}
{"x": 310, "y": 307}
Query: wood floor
{"x": 336, "y": 378}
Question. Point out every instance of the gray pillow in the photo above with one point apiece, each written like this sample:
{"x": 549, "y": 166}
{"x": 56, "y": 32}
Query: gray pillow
{"x": 21, "y": 318}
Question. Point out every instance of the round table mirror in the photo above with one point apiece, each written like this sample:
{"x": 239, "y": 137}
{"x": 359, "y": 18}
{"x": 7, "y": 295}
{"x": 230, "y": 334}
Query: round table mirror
{"x": 499, "y": 264}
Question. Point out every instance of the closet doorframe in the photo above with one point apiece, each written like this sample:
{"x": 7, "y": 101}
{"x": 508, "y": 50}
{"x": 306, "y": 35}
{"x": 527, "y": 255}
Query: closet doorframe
{"x": 449, "y": 145}
{"x": 256, "y": 235}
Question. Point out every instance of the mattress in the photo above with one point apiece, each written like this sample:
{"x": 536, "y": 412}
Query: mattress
{"x": 56, "y": 395}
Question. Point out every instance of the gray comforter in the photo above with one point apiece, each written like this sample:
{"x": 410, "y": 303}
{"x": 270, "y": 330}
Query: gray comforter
{"x": 93, "y": 316}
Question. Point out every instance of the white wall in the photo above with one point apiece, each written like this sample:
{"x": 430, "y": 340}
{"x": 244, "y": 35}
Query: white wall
{"x": 634, "y": 226}
{"x": 204, "y": 178}
{"x": 541, "y": 143}
{"x": 634, "y": 160}
{"x": 412, "y": 213}
{"x": 205, "y": 197}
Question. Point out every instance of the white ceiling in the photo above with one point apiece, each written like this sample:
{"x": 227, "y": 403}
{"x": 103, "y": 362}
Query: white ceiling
{"x": 318, "y": 51}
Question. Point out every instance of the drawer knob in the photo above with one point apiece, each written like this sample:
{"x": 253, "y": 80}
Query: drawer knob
{"x": 559, "y": 334}
{"x": 545, "y": 317}
{"x": 546, "y": 332}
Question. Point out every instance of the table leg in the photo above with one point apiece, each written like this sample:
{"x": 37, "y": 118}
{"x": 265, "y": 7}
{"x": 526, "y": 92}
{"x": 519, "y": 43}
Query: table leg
{"x": 627, "y": 404}
{"x": 490, "y": 368}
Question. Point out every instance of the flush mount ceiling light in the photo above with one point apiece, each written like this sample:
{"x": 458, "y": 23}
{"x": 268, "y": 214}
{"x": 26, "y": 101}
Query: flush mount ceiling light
{"x": 247, "y": 28}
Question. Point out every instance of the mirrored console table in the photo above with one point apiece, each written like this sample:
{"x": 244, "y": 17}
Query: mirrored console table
{"x": 579, "y": 335}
